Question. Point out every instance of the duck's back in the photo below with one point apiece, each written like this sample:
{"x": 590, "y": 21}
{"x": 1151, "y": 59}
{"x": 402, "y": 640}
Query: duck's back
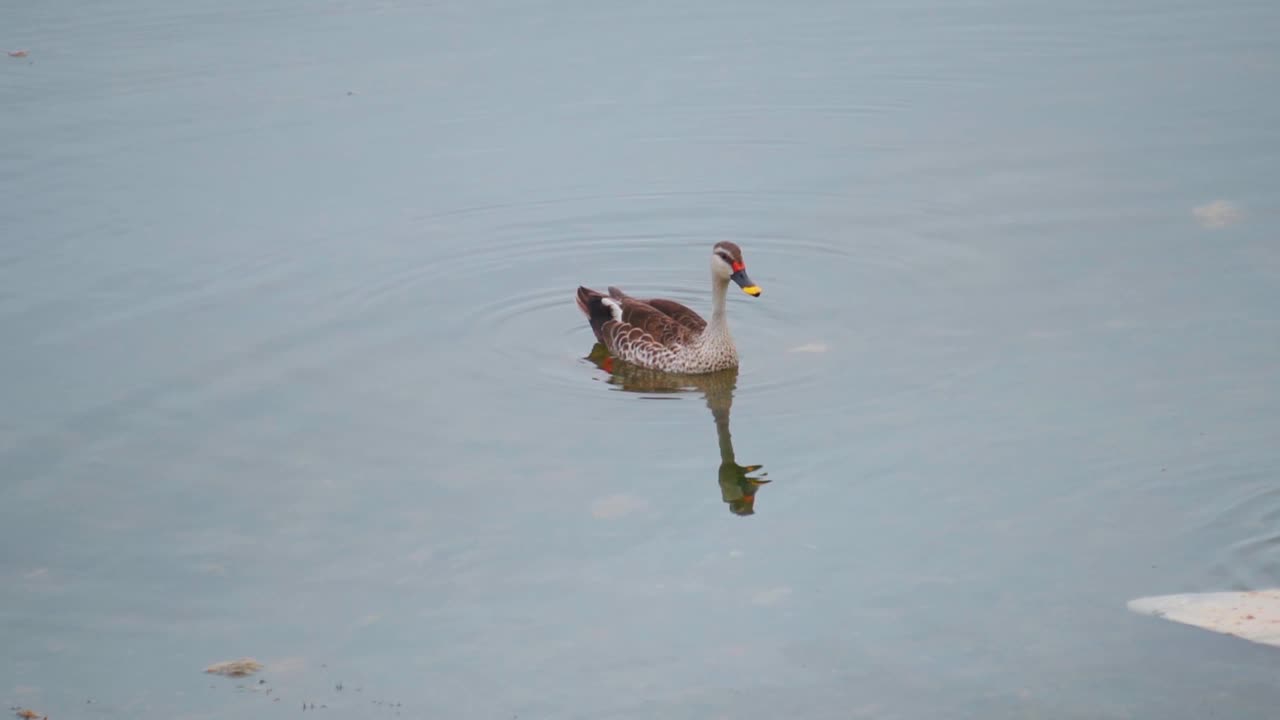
{"x": 638, "y": 332}
{"x": 672, "y": 309}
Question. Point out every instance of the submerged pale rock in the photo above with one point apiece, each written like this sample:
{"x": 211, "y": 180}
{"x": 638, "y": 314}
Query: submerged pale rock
{"x": 616, "y": 506}
{"x": 1217, "y": 214}
{"x": 1253, "y": 615}
{"x": 235, "y": 668}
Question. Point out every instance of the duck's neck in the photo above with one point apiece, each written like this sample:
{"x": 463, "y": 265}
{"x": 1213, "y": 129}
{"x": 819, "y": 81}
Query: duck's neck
{"x": 719, "y": 325}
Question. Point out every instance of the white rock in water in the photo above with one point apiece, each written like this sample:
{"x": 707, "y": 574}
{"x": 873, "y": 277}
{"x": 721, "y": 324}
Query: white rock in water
{"x": 1253, "y": 615}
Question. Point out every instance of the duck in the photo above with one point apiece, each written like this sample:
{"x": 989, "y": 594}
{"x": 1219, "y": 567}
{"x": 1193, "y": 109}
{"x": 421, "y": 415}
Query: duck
{"x": 661, "y": 334}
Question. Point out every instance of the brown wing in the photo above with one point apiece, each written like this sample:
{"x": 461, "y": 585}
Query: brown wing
{"x": 644, "y": 335}
{"x": 672, "y": 309}
{"x": 679, "y": 313}
{"x": 651, "y": 321}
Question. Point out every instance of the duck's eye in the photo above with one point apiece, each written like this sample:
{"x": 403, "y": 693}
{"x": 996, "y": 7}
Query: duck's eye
{"x": 725, "y": 258}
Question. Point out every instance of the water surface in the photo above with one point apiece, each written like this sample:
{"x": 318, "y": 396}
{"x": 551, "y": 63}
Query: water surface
{"x": 293, "y": 368}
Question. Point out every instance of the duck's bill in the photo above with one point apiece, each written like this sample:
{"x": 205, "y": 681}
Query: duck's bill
{"x": 745, "y": 283}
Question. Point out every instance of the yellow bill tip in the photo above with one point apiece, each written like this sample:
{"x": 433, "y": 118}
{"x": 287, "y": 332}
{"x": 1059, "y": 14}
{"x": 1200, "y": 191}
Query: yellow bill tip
{"x": 752, "y": 290}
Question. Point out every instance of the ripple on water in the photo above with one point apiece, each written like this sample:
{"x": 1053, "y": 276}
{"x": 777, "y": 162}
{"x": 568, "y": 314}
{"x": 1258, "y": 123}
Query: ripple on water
{"x": 530, "y": 258}
{"x": 1253, "y": 516}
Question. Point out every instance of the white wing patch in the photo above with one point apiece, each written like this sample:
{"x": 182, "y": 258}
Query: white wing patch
{"x": 614, "y": 308}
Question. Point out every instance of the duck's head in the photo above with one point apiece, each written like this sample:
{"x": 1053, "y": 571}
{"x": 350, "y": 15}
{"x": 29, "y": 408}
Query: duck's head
{"x": 727, "y": 264}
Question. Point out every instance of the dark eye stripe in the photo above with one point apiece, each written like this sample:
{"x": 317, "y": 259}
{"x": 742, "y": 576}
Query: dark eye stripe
{"x": 725, "y": 258}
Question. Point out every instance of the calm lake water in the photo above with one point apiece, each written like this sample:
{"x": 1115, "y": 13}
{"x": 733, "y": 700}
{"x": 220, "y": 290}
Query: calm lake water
{"x": 292, "y": 367}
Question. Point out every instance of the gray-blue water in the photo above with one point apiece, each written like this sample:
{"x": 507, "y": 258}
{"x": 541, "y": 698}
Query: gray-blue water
{"x": 291, "y": 366}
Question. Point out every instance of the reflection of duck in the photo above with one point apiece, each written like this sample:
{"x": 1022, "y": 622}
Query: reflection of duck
{"x": 737, "y": 488}
{"x": 665, "y": 335}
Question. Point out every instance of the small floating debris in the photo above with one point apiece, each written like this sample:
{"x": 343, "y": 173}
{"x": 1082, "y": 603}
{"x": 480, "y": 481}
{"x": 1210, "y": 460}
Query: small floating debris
{"x": 29, "y": 714}
{"x": 18, "y": 53}
{"x": 1252, "y": 615}
{"x": 814, "y": 347}
{"x": 235, "y": 668}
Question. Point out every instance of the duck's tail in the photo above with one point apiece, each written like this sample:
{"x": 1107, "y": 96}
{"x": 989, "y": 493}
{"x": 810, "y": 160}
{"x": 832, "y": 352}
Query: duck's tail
{"x": 586, "y": 298}
{"x": 592, "y": 304}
